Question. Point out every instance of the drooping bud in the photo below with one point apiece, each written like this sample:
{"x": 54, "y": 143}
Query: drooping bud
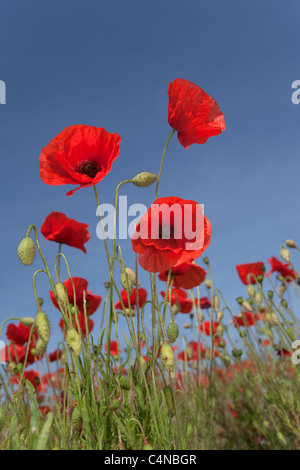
{"x": 260, "y": 278}
{"x": 282, "y": 289}
{"x": 144, "y": 179}
{"x": 206, "y": 260}
{"x": 128, "y": 312}
{"x": 176, "y": 308}
{"x": 43, "y": 326}
{"x": 208, "y": 283}
{"x": 216, "y": 302}
{"x": 291, "y": 244}
{"x": 126, "y": 282}
{"x": 247, "y": 306}
{"x": 285, "y": 254}
{"x": 258, "y": 298}
{"x": 61, "y": 293}
{"x": 73, "y": 340}
{"x": 40, "y": 348}
{"x": 132, "y": 276}
{"x": 77, "y": 420}
{"x": 237, "y": 352}
{"x": 167, "y": 357}
{"x": 251, "y": 290}
{"x": 284, "y": 303}
{"x": 270, "y": 294}
{"x": 275, "y": 319}
{"x": 172, "y": 332}
{"x": 219, "y": 330}
{"x": 240, "y": 300}
{"x": 169, "y": 397}
{"x": 26, "y": 251}
{"x": 27, "y": 321}
{"x": 220, "y": 316}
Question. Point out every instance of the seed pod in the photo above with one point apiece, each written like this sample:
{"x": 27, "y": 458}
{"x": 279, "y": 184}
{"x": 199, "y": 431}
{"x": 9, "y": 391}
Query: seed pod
{"x": 124, "y": 384}
{"x": 126, "y": 282}
{"x": 61, "y": 293}
{"x": 144, "y": 179}
{"x": 291, "y": 244}
{"x": 251, "y": 290}
{"x": 258, "y": 298}
{"x": 43, "y": 326}
{"x": 206, "y": 260}
{"x": 285, "y": 254}
{"x": 40, "y": 348}
{"x": 132, "y": 276}
{"x": 220, "y": 316}
{"x": 247, "y": 306}
{"x": 27, "y": 321}
{"x": 172, "y": 332}
{"x": 73, "y": 340}
{"x": 208, "y": 283}
{"x": 167, "y": 357}
{"x": 77, "y": 420}
{"x": 2, "y": 418}
{"x": 26, "y": 251}
{"x": 169, "y": 397}
{"x": 237, "y": 352}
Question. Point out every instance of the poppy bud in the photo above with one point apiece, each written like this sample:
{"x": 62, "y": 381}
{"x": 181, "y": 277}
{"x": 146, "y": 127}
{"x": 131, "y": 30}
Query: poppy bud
{"x": 187, "y": 325}
{"x": 43, "y": 326}
{"x": 73, "y": 340}
{"x": 222, "y": 344}
{"x": 237, "y": 352}
{"x": 258, "y": 298}
{"x": 40, "y": 301}
{"x": 124, "y": 384}
{"x": 208, "y": 283}
{"x": 284, "y": 303}
{"x": 240, "y": 300}
{"x": 133, "y": 278}
{"x": 144, "y": 179}
{"x": 77, "y": 420}
{"x": 243, "y": 334}
{"x": 216, "y": 302}
{"x": 172, "y": 332}
{"x": 169, "y": 397}
{"x": 74, "y": 310}
{"x": 219, "y": 330}
{"x": 176, "y": 308}
{"x": 285, "y": 254}
{"x": 290, "y": 332}
{"x": 206, "y": 260}
{"x": 40, "y": 348}
{"x": 260, "y": 278}
{"x": 282, "y": 289}
{"x": 26, "y": 251}
{"x": 291, "y": 244}
{"x": 220, "y": 316}
{"x": 2, "y": 418}
{"x": 270, "y": 294}
{"x": 251, "y": 290}
{"x": 128, "y": 312}
{"x": 167, "y": 357}
{"x": 275, "y": 319}
{"x": 247, "y": 306}
{"x": 18, "y": 368}
{"x": 126, "y": 282}
{"x": 27, "y": 321}
{"x": 107, "y": 285}
{"x": 61, "y": 293}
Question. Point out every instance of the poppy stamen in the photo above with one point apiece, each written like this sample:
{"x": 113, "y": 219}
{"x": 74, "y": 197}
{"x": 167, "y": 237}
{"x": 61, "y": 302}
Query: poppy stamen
{"x": 88, "y": 168}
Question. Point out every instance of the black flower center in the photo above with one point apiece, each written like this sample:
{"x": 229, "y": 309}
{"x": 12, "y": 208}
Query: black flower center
{"x": 88, "y": 168}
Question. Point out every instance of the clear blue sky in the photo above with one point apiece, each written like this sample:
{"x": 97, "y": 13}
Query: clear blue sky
{"x": 108, "y": 64}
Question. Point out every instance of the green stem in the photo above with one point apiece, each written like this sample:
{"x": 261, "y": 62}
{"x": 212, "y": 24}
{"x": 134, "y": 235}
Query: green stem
{"x": 162, "y": 162}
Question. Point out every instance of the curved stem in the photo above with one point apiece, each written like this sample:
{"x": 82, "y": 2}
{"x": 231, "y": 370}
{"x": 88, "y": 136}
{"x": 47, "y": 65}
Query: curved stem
{"x": 162, "y": 162}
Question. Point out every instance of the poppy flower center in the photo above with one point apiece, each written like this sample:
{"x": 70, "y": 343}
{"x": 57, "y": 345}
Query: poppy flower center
{"x": 166, "y": 232}
{"x": 88, "y": 168}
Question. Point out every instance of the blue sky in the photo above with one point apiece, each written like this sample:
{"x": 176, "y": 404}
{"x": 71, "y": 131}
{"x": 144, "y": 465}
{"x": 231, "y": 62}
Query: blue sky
{"x": 108, "y": 64}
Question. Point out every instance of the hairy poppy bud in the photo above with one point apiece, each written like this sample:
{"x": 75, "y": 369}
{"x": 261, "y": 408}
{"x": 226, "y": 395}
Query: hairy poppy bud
{"x": 27, "y": 321}
{"x": 216, "y": 302}
{"x": 291, "y": 244}
{"x": 73, "y": 340}
{"x": 61, "y": 293}
{"x": 172, "y": 332}
{"x": 220, "y": 316}
{"x": 40, "y": 348}
{"x": 275, "y": 319}
{"x": 237, "y": 352}
{"x": 126, "y": 282}
{"x": 258, "y": 298}
{"x": 77, "y": 420}
{"x": 260, "y": 278}
{"x": 251, "y": 290}
{"x": 291, "y": 333}
{"x": 176, "y": 308}
{"x": 124, "y": 384}
{"x": 26, "y": 251}
{"x": 169, "y": 397}
{"x": 285, "y": 254}
{"x": 128, "y": 312}
{"x": 208, "y": 283}
{"x": 167, "y": 357}
{"x": 2, "y": 418}
{"x": 74, "y": 310}
{"x": 43, "y": 326}
{"x": 219, "y": 330}
{"x": 144, "y": 179}
{"x": 247, "y": 306}
{"x": 133, "y": 278}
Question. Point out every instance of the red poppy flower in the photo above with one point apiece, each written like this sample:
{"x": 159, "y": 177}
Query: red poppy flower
{"x": 79, "y": 155}
{"x": 59, "y": 228}
{"x": 180, "y": 296}
{"x": 13, "y": 352}
{"x": 283, "y": 268}
{"x": 283, "y": 352}
{"x": 193, "y": 113}
{"x": 114, "y": 351}
{"x": 20, "y": 334}
{"x": 92, "y": 301}
{"x": 142, "y": 295}
{"x": 246, "y": 319}
{"x": 55, "y": 356}
{"x": 45, "y": 409}
{"x": 247, "y": 271}
{"x": 205, "y": 327}
{"x": 31, "y": 375}
{"x": 172, "y": 232}
{"x": 82, "y": 325}
{"x": 233, "y": 411}
{"x": 204, "y": 302}
{"x": 186, "y": 275}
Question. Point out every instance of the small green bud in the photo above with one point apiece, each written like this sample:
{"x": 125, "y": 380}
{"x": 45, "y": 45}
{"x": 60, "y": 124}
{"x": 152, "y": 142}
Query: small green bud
{"x": 144, "y": 179}
{"x": 26, "y": 251}
{"x": 270, "y": 294}
{"x": 291, "y": 333}
{"x": 73, "y": 340}
{"x": 260, "y": 278}
{"x": 169, "y": 397}
{"x": 40, "y": 301}
{"x": 40, "y": 348}
{"x": 27, "y": 321}
{"x": 208, "y": 283}
{"x": 126, "y": 282}
{"x": 172, "y": 332}
{"x": 237, "y": 352}
{"x": 284, "y": 303}
{"x": 74, "y": 310}
{"x": 243, "y": 334}
{"x": 61, "y": 293}
{"x": 148, "y": 447}
{"x": 240, "y": 300}
{"x": 216, "y": 302}
{"x": 206, "y": 260}
{"x": 167, "y": 357}
{"x": 220, "y": 316}
{"x": 176, "y": 308}
{"x": 43, "y": 326}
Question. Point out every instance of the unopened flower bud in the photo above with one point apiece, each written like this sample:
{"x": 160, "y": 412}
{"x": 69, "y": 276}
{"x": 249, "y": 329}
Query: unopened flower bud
{"x": 260, "y": 278}
{"x": 148, "y": 447}
{"x": 243, "y": 334}
{"x": 27, "y": 321}
{"x": 74, "y": 310}
{"x": 237, "y": 352}
{"x": 26, "y": 251}
{"x": 114, "y": 405}
{"x": 176, "y": 308}
{"x": 167, "y": 357}
{"x": 40, "y": 348}
{"x": 206, "y": 260}
{"x": 172, "y": 332}
{"x": 43, "y": 326}
{"x": 247, "y": 306}
{"x": 144, "y": 179}
{"x": 251, "y": 290}
{"x": 128, "y": 312}
{"x": 73, "y": 340}
{"x": 275, "y": 319}
{"x": 291, "y": 244}
{"x": 220, "y": 316}
{"x": 133, "y": 278}
{"x": 187, "y": 325}
{"x": 208, "y": 283}
{"x": 61, "y": 293}
{"x": 126, "y": 282}
{"x": 240, "y": 300}
{"x": 284, "y": 303}
{"x": 258, "y": 298}
{"x": 216, "y": 302}
{"x": 291, "y": 333}
{"x": 285, "y": 254}
{"x": 169, "y": 397}
{"x": 219, "y": 330}
{"x": 270, "y": 294}
{"x": 189, "y": 432}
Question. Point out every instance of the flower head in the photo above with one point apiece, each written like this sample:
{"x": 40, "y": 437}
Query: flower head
{"x": 248, "y": 272}
{"x": 187, "y": 275}
{"x": 59, "y": 228}
{"x": 81, "y": 285}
